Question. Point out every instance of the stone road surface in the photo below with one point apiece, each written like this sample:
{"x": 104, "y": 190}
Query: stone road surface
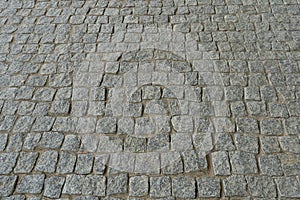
{"x": 149, "y": 99}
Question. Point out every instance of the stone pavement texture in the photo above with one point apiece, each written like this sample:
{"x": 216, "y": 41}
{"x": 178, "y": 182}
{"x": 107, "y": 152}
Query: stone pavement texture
{"x": 149, "y": 99}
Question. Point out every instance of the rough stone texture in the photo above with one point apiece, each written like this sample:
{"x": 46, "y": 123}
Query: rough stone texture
{"x": 208, "y": 187}
{"x": 183, "y": 187}
{"x": 137, "y": 99}
{"x": 32, "y": 184}
{"x": 160, "y": 187}
{"x": 53, "y": 186}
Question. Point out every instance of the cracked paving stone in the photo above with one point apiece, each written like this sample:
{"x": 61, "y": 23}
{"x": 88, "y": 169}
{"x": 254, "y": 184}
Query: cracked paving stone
{"x": 183, "y": 187}
{"x": 32, "y": 184}
{"x": 7, "y": 184}
{"x": 208, "y": 187}
{"x": 53, "y": 186}
{"x": 160, "y": 187}
{"x": 47, "y": 162}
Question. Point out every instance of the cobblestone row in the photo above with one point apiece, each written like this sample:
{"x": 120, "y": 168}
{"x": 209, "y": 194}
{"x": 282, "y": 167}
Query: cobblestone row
{"x": 149, "y": 99}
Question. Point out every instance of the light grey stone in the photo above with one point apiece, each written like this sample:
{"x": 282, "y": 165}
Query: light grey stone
{"x": 66, "y": 162}
{"x": 3, "y": 141}
{"x": 32, "y": 184}
{"x": 110, "y": 144}
{"x": 160, "y": 187}
{"x": 71, "y": 143}
{"x": 7, "y": 162}
{"x": 94, "y": 185}
{"x": 117, "y": 184}
{"x": 138, "y": 186}
{"x": 7, "y": 184}
{"x": 271, "y": 127}
{"x": 288, "y": 186}
{"x": 106, "y": 125}
{"x": 26, "y": 162}
{"x": 15, "y": 142}
{"x": 289, "y": 144}
{"x": 262, "y": 186}
{"x": 47, "y": 161}
{"x": 235, "y": 185}
{"x": 181, "y": 142}
{"x": 243, "y": 163}
{"x": 51, "y": 140}
{"x": 84, "y": 163}
{"x": 171, "y": 163}
{"x": 73, "y": 184}
{"x": 270, "y": 165}
{"x": 147, "y": 163}
{"x": 220, "y": 163}
{"x": 208, "y": 187}
{"x": 53, "y": 186}
{"x": 31, "y": 141}
{"x": 247, "y": 143}
{"x": 183, "y": 187}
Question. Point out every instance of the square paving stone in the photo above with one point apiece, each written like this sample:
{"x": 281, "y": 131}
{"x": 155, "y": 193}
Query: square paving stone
{"x": 66, "y": 162}
{"x": 117, "y": 184}
{"x": 160, "y": 187}
{"x": 53, "y": 186}
{"x": 288, "y": 186}
{"x": 247, "y": 125}
{"x": 138, "y": 186}
{"x": 26, "y": 162}
{"x": 271, "y": 127}
{"x": 235, "y": 185}
{"x": 183, "y": 187}
{"x": 246, "y": 143}
{"x": 7, "y": 184}
{"x": 261, "y": 186}
{"x": 32, "y": 184}
{"x": 84, "y": 163}
{"x": 242, "y": 162}
{"x": 7, "y": 162}
{"x": 147, "y": 163}
{"x": 71, "y": 143}
{"x": 171, "y": 163}
{"x": 208, "y": 187}
{"x": 270, "y": 165}
{"x": 47, "y": 162}
{"x": 51, "y": 140}
{"x": 220, "y": 161}
{"x": 73, "y": 184}
{"x": 94, "y": 185}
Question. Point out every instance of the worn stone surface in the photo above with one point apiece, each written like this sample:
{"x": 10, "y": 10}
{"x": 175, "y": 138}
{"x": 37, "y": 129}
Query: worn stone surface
{"x": 165, "y": 99}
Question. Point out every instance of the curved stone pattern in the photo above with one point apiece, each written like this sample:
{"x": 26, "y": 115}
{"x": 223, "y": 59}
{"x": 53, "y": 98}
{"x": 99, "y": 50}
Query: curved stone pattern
{"x": 149, "y": 99}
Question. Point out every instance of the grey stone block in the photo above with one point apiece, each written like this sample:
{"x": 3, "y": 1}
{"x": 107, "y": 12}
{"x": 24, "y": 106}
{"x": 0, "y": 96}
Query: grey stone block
{"x": 262, "y": 186}
{"x": 26, "y": 162}
{"x": 220, "y": 163}
{"x": 270, "y": 165}
{"x": 84, "y": 163}
{"x": 138, "y": 186}
{"x": 7, "y": 184}
{"x": 117, "y": 184}
{"x": 183, "y": 187}
{"x": 66, "y": 162}
{"x": 208, "y": 187}
{"x": 288, "y": 186}
{"x": 47, "y": 162}
{"x": 160, "y": 187}
{"x": 53, "y": 186}
{"x": 247, "y": 143}
{"x": 51, "y": 140}
{"x": 32, "y": 184}
{"x": 7, "y": 162}
{"x": 94, "y": 185}
{"x": 243, "y": 163}
{"x": 235, "y": 185}
{"x": 73, "y": 184}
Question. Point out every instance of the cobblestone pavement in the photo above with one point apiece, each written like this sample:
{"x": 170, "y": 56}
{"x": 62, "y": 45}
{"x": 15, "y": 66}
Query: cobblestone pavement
{"x": 149, "y": 99}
